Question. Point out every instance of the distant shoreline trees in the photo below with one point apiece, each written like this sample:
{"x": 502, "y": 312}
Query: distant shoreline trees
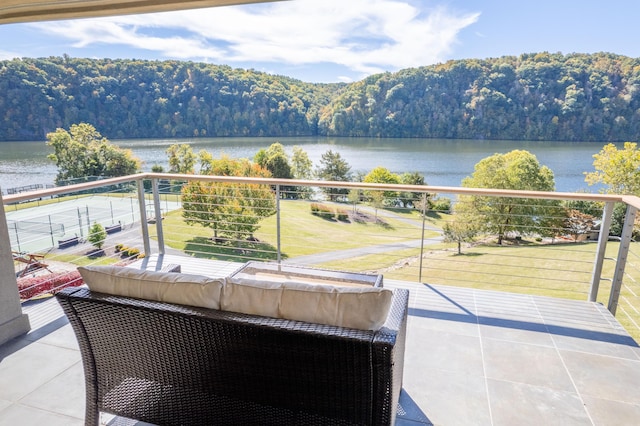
{"x": 540, "y": 96}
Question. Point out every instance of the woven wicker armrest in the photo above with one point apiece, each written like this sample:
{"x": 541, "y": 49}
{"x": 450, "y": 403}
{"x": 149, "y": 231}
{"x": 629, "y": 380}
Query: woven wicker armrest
{"x": 173, "y": 364}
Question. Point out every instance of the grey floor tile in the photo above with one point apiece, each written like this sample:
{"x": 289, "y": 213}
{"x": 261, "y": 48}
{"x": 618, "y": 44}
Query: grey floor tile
{"x": 64, "y": 394}
{"x": 532, "y": 333}
{"x": 524, "y": 405}
{"x": 604, "y": 377}
{"x": 62, "y": 335}
{"x": 606, "y": 412}
{"x": 32, "y": 366}
{"x": 405, "y": 422}
{"x": 445, "y": 365}
{"x": 595, "y": 343}
{"x": 18, "y": 414}
{"x": 446, "y": 322}
{"x": 408, "y": 409}
{"x": 449, "y": 398}
{"x": 525, "y": 363}
{"x": 446, "y": 351}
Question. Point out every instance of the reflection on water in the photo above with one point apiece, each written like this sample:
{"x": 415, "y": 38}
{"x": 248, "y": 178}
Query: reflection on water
{"x": 443, "y": 162}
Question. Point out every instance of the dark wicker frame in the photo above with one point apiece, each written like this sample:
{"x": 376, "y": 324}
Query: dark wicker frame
{"x": 178, "y": 365}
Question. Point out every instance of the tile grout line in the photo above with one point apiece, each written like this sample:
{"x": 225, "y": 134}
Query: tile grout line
{"x": 564, "y": 365}
{"x": 484, "y": 366}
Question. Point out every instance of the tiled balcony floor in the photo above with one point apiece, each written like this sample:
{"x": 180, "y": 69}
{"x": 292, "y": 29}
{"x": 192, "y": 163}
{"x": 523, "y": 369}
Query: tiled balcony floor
{"x": 473, "y": 357}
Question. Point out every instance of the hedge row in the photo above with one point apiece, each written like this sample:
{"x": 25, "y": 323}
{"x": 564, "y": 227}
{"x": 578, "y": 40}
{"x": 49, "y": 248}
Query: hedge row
{"x": 327, "y": 212}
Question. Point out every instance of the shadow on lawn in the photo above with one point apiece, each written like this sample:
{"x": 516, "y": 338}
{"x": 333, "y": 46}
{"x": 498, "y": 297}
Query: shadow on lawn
{"x": 231, "y": 250}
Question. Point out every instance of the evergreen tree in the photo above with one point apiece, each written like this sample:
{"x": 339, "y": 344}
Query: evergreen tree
{"x": 97, "y": 235}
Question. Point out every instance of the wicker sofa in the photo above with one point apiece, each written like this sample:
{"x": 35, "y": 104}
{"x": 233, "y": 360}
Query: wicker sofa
{"x": 168, "y": 364}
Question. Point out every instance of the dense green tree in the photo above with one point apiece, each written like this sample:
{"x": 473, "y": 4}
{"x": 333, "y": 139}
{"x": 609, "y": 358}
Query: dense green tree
{"x": 411, "y": 199}
{"x": 333, "y": 167}
{"x": 382, "y": 175}
{"x": 82, "y": 152}
{"x": 302, "y": 168}
{"x": 519, "y": 170}
{"x": 619, "y": 169}
{"x": 301, "y": 165}
{"x": 276, "y": 160}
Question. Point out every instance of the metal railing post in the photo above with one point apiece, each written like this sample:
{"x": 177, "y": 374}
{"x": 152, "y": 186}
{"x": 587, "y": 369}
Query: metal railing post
{"x": 424, "y": 217}
{"x": 596, "y": 275}
{"x": 142, "y": 204}
{"x": 621, "y": 262}
{"x": 158, "y": 214}
{"x": 278, "y": 254}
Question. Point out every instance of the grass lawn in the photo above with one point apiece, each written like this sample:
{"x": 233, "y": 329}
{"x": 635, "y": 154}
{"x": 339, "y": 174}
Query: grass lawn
{"x": 301, "y": 234}
{"x": 556, "y": 270}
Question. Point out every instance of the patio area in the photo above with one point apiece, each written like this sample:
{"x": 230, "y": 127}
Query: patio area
{"x": 473, "y": 357}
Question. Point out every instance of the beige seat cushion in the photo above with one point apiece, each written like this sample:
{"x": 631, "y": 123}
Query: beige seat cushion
{"x": 183, "y": 289}
{"x": 361, "y": 307}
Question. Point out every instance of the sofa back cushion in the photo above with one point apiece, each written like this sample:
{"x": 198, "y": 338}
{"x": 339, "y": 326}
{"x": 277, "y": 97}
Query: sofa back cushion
{"x": 182, "y": 289}
{"x": 360, "y": 307}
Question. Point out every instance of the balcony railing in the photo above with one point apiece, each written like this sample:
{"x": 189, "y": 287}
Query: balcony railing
{"x": 393, "y": 229}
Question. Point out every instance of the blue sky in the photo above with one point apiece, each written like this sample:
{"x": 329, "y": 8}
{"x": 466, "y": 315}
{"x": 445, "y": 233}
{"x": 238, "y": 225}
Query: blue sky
{"x": 340, "y": 40}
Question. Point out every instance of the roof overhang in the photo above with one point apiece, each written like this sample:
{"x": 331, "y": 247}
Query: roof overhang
{"x": 12, "y": 11}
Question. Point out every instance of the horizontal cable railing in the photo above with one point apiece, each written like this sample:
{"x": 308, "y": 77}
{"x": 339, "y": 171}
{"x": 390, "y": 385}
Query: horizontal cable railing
{"x": 517, "y": 241}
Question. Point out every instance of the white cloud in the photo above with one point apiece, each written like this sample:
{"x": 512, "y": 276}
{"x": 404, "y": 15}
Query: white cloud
{"x": 366, "y": 36}
{"x": 7, "y": 55}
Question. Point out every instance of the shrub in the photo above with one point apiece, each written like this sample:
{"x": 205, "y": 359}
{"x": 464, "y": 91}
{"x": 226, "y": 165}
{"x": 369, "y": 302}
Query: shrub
{"x": 322, "y": 210}
{"x": 441, "y": 204}
{"x": 130, "y": 252}
{"x": 342, "y": 215}
{"x": 118, "y": 247}
{"x": 30, "y": 287}
{"x": 97, "y": 235}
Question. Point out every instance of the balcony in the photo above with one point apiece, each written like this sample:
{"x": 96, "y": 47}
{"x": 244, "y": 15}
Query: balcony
{"x": 531, "y": 332}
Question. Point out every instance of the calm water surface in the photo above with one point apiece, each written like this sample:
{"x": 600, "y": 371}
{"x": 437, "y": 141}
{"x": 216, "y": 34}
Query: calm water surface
{"x": 442, "y": 162}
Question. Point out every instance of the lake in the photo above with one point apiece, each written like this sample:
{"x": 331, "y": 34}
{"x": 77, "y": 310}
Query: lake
{"x": 443, "y": 162}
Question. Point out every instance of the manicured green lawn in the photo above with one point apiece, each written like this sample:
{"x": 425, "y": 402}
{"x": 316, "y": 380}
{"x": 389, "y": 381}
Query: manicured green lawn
{"x": 556, "y": 270}
{"x": 301, "y": 234}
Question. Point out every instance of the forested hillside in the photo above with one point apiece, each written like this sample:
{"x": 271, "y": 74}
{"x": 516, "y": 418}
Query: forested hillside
{"x": 541, "y": 96}
{"x": 153, "y": 99}
{"x": 538, "y": 96}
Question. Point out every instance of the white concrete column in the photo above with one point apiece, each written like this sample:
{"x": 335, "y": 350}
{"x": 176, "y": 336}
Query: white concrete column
{"x": 13, "y": 322}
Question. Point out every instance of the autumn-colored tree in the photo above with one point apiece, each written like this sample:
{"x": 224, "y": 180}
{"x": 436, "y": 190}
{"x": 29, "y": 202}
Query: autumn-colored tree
{"x": 577, "y": 223}
{"x": 232, "y": 210}
{"x": 619, "y": 169}
{"x": 181, "y": 159}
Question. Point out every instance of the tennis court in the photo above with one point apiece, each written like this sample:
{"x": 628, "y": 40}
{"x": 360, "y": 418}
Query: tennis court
{"x": 39, "y": 229}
